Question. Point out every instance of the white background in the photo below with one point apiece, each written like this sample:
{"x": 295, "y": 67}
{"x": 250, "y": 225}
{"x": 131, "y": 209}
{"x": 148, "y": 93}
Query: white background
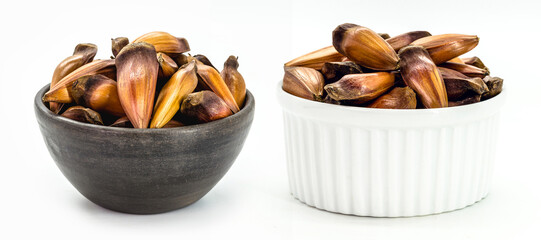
{"x": 252, "y": 201}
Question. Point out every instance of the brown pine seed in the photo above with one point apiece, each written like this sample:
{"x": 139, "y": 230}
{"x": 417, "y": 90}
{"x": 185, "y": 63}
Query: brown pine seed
{"x": 422, "y": 75}
{"x": 202, "y": 58}
{"x": 211, "y": 78}
{"x": 445, "y": 47}
{"x": 181, "y": 58}
{"x": 475, "y": 61}
{"x": 82, "y": 114}
{"x": 168, "y": 66}
{"x": 97, "y": 92}
{"x": 204, "y": 106}
{"x": 468, "y": 70}
{"x": 361, "y": 87}
{"x": 59, "y": 92}
{"x": 234, "y": 80}
{"x": 364, "y": 47}
{"x": 182, "y": 83}
{"x": 459, "y": 85}
{"x": 303, "y": 82}
{"x": 118, "y": 43}
{"x": 82, "y": 54}
{"x": 494, "y": 85}
{"x": 137, "y": 73}
{"x": 87, "y": 50}
{"x": 398, "y": 98}
{"x": 405, "y": 39}
{"x": 164, "y": 42}
{"x": 333, "y": 71}
{"x": 316, "y": 59}
{"x": 457, "y": 88}
{"x": 65, "y": 67}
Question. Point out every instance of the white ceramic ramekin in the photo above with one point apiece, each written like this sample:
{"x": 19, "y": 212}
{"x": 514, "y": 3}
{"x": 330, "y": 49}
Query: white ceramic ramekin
{"x": 389, "y": 163}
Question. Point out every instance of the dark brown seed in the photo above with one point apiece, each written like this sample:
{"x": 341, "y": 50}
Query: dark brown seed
{"x": 494, "y": 85}
{"x": 87, "y": 50}
{"x": 204, "y": 106}
{"x": 458, "y": 85}
{"x": 333, "y": 71}
{"x": 82, "y": 114}
{"x": 457, "y": 88}
{"x": 398, "y": 80}
{"x": 474, "y": 98}
{"x": 118, "y": 43}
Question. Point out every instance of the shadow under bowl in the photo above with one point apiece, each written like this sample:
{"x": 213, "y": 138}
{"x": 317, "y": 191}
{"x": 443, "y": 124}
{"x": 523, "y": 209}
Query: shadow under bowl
{"x": 143, "y": 171}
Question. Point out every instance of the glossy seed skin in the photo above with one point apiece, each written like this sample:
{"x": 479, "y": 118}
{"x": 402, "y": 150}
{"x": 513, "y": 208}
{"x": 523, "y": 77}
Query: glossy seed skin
{"x": 303, "y": 82}
{"x": 82, "y": 114}
{"x": 234, "y": 80}
{"x": 317, "y": 58}
{"x": 364, "y": 47}
{"x": 137, "y": 73}
{"x": 97, "y": 92}
{"x": 360, "y": 88}
{"x": 182, "y": 83}
{"x": 398, "y": 98}
{"x": 204, "y": 106}
{"x": 445, "y": 47}
{"x": 422, "y": 75}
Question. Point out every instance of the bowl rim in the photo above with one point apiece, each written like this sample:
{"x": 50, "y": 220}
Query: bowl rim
{"x": 249, "y": 106}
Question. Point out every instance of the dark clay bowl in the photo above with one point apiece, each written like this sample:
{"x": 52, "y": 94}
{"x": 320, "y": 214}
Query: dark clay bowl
{"x": 144, "y": 171}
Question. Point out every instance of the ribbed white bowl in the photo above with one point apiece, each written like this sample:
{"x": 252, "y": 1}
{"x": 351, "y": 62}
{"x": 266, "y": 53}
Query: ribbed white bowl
{"x": 389, "y": 163}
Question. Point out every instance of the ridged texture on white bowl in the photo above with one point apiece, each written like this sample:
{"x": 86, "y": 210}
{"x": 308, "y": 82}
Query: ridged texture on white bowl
{"x": 389, "y": 171}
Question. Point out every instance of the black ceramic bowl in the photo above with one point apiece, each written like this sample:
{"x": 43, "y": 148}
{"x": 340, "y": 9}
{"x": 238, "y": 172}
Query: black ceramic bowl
{"x": 144, "y": 171}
